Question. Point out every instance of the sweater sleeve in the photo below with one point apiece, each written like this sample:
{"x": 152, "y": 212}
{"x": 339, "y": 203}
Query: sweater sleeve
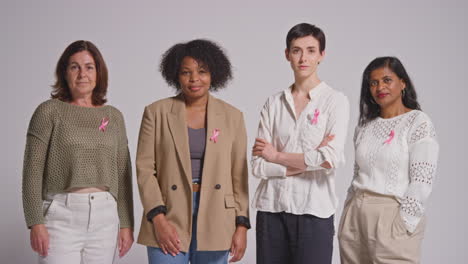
{"x": 423, "y": 155}
{"x": 351, "y": 192}
{"x": 337, "y": 125}
{"x": 124, "y": 169}
{"x": 35, "y": 156}
{"x": 260, "y": 167}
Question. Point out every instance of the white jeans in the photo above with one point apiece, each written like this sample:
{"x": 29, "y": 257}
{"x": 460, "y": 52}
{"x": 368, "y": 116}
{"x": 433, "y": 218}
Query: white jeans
{"x": 83, "y": 228}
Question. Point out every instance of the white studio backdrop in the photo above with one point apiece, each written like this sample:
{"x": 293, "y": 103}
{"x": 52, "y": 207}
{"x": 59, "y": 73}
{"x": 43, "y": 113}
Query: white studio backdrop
{"x": 430, "y": 38}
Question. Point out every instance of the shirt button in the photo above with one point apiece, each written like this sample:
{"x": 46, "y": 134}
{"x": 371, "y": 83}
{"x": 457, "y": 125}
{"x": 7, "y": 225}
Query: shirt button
{"x": 218, "y": 186}
{"x": 174, "y": 187}
{"x": 92, "y": 197}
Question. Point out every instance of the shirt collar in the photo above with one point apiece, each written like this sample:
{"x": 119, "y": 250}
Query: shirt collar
{"x": 312, "y": 93}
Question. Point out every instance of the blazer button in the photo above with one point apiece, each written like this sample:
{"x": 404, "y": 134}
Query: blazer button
{"x": 218, "y": 186}
{"x": 174, "y": 187}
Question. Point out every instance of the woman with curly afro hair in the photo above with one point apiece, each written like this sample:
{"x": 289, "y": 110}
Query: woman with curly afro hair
{"x": 192, "y": 163}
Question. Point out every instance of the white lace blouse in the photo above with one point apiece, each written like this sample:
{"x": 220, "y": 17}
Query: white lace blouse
{"x": 398, "y": 157}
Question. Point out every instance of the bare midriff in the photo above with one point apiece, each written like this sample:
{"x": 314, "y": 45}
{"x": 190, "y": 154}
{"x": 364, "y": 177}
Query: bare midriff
{"x": 89, "y": 189}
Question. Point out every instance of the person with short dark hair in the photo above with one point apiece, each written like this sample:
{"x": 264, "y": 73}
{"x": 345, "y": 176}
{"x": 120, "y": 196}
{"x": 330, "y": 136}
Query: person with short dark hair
{"x": 77, "y": 175}
{"x": 192, "y": 163}
{"x": 396, "y": 153}
{"x": 300, "y": 142}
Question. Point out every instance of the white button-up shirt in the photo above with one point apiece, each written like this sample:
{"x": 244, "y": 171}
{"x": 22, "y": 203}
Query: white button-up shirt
{"x": 313, "y": 191}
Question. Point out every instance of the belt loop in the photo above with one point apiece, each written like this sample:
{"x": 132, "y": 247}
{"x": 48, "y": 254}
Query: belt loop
{"x": 67, "y": 199}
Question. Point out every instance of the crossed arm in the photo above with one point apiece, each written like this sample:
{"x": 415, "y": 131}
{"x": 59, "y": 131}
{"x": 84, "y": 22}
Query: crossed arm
{"x": 294, "y": 162}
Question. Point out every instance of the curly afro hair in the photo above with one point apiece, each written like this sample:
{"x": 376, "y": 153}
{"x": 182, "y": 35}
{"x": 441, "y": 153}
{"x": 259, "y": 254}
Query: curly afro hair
{"x": 203, "y": 51}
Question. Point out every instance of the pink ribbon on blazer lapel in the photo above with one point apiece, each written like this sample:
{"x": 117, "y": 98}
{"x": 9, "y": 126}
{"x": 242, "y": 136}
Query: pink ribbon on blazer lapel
{"x": 214, "y": 135}
{"x": 104, "y": 123}
{"x": 314, "y": 120}
{"x": 390, "y": 137}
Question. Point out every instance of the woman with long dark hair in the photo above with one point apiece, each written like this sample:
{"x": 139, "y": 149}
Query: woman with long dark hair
{"x": 396, "y": 158}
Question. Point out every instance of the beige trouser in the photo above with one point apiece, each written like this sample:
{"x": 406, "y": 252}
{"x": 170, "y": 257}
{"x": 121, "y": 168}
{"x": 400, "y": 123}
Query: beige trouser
{"x": 372, "y": 231}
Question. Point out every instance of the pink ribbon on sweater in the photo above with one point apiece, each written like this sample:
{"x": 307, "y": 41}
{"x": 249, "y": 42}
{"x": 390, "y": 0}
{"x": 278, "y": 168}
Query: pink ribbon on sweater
{"x": 214, "y": 135}
{"x": 315, "y": 118}
{"x": 104, "y": 123}
{"x": 390, "y": 137}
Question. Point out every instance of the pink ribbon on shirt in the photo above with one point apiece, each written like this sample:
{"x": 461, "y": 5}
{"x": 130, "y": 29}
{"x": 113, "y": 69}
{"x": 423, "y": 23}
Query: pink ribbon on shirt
{"x": 390, "y": 137}
{"x": 315, "y": 118}
{"x": 104, "y": 123}
{"x": 214, "y": 135}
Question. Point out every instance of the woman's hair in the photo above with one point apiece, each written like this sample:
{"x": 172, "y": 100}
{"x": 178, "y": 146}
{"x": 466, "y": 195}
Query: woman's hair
{"x": 203, "y": 51}
{"x": 368, "y": 108}
{"x": 304, "y": 30}
{"x": 61, "y": 90}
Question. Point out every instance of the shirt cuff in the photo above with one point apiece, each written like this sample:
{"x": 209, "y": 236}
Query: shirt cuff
{"x": 313, "y": 159}
{"x": 275, "y": 170}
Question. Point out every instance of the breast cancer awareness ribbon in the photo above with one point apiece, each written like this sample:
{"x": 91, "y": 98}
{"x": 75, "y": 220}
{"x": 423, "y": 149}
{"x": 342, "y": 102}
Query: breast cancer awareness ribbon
{"x": 214, "y": 135}
{"x": 315, "y": 118}
{"x": 104, "y": 123}
{"x": 390, "y": 137}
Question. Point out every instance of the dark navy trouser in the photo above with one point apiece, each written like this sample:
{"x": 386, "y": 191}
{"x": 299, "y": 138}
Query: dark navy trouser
{"x": 284, "y": 238}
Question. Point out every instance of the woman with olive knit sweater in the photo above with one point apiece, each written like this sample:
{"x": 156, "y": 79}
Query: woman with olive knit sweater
{"x": 77, "y": 187}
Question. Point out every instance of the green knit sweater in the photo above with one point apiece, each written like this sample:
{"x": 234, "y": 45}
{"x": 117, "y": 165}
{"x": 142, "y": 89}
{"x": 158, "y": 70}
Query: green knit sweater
{"x": 66, "y": 148}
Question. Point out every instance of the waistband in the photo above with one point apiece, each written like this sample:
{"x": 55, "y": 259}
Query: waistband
{"x": 372, "y": 197}
{"x": 80, "y": 197}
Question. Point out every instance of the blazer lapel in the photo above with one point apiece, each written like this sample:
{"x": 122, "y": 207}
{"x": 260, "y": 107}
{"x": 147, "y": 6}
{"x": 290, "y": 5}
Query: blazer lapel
{"x": 178, "y": 128}
{"x": 215, "y": 121}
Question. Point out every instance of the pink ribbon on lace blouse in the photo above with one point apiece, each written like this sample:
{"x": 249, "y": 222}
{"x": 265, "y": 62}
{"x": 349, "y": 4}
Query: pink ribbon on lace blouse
{"x": 315, "y": 118}
{"x": 214, "y": 135}
{"x": 390, "y": 137}
{"x": 104, "y": 123}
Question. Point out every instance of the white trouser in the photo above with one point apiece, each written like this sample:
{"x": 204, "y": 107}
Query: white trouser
{"x": 83, "y": 228}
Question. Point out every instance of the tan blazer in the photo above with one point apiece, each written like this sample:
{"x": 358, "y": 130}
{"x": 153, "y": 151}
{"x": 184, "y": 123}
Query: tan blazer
{"x": 164, "y": 173}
